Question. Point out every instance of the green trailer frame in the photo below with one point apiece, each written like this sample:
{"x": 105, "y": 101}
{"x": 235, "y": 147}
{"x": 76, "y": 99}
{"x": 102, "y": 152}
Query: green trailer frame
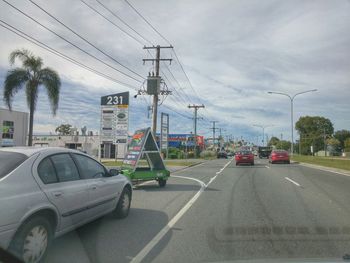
{"x": 142, "y": 147}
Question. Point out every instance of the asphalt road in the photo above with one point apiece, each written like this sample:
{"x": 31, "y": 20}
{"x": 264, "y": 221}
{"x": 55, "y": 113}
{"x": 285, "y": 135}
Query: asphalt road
{"x": 221, "y": 212}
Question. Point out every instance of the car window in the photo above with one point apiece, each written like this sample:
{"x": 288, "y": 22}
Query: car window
{"x": 65, "y": 167}
{"x": 10, "y": 161}
{"x": 47, "y": 172}
{"x": 89, "y": 168}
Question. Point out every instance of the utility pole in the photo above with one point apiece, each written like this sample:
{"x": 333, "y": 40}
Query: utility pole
{"x": 155, "y": 94}
{"x": 195, "y": 107}
{"x": 214, "y": 129}
{"x": 324, "y": 141}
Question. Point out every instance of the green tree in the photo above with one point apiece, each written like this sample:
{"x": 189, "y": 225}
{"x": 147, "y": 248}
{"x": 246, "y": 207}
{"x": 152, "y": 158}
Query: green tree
{"x": 273, "y": 141}
{"x": 342, "y": 135}
{"x": 333, "y": 142}
{"x": 312, "y": 130}
{"x": 63, "y": 129}
{"x": 347, "y": 145}
{"x": 31, "y": 75}
{"x": 284, "y": 145}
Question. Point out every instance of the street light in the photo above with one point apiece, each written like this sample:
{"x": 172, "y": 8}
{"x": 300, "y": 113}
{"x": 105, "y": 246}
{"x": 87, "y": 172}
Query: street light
{"x": 291, "y": 109}
{"x": 263, "y": 128}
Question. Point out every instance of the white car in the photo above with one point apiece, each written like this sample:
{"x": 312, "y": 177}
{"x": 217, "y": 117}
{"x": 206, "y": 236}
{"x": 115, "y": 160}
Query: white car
{"x": 46, "y": 192}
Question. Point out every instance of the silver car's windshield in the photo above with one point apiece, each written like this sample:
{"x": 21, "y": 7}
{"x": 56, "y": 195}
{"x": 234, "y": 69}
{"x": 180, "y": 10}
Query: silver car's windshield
{"x": 9, "y": 161}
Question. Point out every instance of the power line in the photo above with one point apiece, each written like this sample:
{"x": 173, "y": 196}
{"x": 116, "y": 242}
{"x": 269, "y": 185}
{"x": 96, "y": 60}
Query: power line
{"x": 60, "y": 54}
{"x": 121, "y": 20}
{"x": 121, "y": 29}
{"x": 84, "y": 39}
{"x": 183, "y": 115}
{"x": 74, "y": 45}
{"x": 168, "y": 43}
{"x": 184, "y": 101}
{"x": 147, "y": 22}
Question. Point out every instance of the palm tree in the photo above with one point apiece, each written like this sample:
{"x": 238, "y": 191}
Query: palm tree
{"x": 31, "y": 76}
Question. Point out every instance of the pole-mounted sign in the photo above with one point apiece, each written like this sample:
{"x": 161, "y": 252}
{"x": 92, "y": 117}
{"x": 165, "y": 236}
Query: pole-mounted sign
{"x": 114, "y": 125}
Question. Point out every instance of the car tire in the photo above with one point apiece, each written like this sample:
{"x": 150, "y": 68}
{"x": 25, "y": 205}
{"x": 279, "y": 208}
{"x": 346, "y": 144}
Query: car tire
{"x": 288, "y": 162}
{"x": 252, "y": 163}
{"x": 37, "y": 230}
{"x": 123, "y": 206}
{"x": 237, "y": 164}
{"x": 162, "y": 182}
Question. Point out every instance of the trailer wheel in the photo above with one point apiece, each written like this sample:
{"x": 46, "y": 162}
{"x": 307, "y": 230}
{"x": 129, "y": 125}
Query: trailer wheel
{"x": 161, "y": 182}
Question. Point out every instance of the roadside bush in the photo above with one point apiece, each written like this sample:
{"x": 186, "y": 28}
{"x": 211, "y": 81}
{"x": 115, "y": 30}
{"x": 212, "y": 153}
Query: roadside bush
{"x": 207, "y": 154}
{"x": 190, "y": 155}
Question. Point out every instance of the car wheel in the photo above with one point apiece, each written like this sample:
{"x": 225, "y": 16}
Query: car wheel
{"x": 288, "y": 162}
{"x": 123, "y": 206}
{"x": 32, "y": 240}
{"x": 161, "y": 182}
{"x": 237, "y": 164}
{"x": 252, "y": 163}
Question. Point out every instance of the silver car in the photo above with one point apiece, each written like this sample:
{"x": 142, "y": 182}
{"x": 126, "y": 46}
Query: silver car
{"x": 46, "y": 192}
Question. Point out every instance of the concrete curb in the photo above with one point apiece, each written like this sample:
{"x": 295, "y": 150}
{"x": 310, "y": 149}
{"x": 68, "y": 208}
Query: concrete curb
{"x": 186, "y": 167}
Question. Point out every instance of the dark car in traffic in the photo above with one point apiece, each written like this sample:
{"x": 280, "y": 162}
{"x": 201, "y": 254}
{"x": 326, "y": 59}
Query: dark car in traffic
{"x": 222, "y": 154}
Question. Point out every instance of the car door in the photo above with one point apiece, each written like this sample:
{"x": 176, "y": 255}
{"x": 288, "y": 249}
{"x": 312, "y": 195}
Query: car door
{"x": 64, "y": 188}
{"x": 104, "y": 190}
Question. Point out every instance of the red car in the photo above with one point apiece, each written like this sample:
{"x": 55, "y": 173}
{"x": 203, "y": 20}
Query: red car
{"x": 244, "y": 157}
{"x": 279, "y": 156}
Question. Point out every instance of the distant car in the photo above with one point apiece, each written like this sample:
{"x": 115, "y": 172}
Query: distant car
{"x": 222, "y": 154}
{"x": 244, "y": 157}
{"x": 279, "y": 156}
{"x": 46, "y": 192}
{"x": 264, "y": 152}
{"x": 230, "y": 154}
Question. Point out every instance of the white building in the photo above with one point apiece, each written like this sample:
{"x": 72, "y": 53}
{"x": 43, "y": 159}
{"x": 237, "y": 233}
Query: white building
{"x": 13, "y": 128}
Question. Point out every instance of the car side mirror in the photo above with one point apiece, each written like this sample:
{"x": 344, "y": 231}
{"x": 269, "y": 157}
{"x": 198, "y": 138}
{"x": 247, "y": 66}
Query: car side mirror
{"x": 114, "y": 172}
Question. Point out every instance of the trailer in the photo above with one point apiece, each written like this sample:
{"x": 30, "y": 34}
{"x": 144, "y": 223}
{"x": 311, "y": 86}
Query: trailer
{"x": 143, "y": 162}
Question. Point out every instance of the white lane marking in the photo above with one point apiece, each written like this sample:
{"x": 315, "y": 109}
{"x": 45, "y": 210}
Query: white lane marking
{"x": 290, "y": 180}
{"x": 191, "y": 178}
{"x": 267, "y": 166}
{"x": 322, "y": 169}
{"x": 144, "y": 252}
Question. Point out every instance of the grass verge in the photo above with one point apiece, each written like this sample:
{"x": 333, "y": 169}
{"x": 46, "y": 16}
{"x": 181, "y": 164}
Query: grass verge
{"x": 323, "y": 161}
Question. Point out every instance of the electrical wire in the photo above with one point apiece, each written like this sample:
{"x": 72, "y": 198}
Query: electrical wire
{"x": 60, "y": 54}
{"x": 166, "y": 40}
{"x": 121, "y": 29}
{"x": 71, "y": 43}
{"x": 121, "y": 20}
{"x": 84, "y": 39}
{"x": 147, "y": 21}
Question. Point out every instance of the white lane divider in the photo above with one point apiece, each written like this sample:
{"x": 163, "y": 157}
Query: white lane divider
{"x": 267, "y": 166}
{"x": 290, "y": 180}
{"x": 144, "y": 252}
{"x": 191, "y": 178}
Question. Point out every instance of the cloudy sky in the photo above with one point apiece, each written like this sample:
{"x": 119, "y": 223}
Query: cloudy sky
{"x": 233, "y": 53}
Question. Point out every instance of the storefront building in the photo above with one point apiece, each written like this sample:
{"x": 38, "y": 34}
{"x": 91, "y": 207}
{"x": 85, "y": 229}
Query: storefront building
{"x": 13, "y": 128}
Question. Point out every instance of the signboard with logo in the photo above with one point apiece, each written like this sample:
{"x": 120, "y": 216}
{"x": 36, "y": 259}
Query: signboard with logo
{"x": 115, "y": 120}
{"x": 135, "y": 147}
{"x": 164, "y": 131}
{"x": 143, "y": 145}
{"x": 7, "y": 133}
